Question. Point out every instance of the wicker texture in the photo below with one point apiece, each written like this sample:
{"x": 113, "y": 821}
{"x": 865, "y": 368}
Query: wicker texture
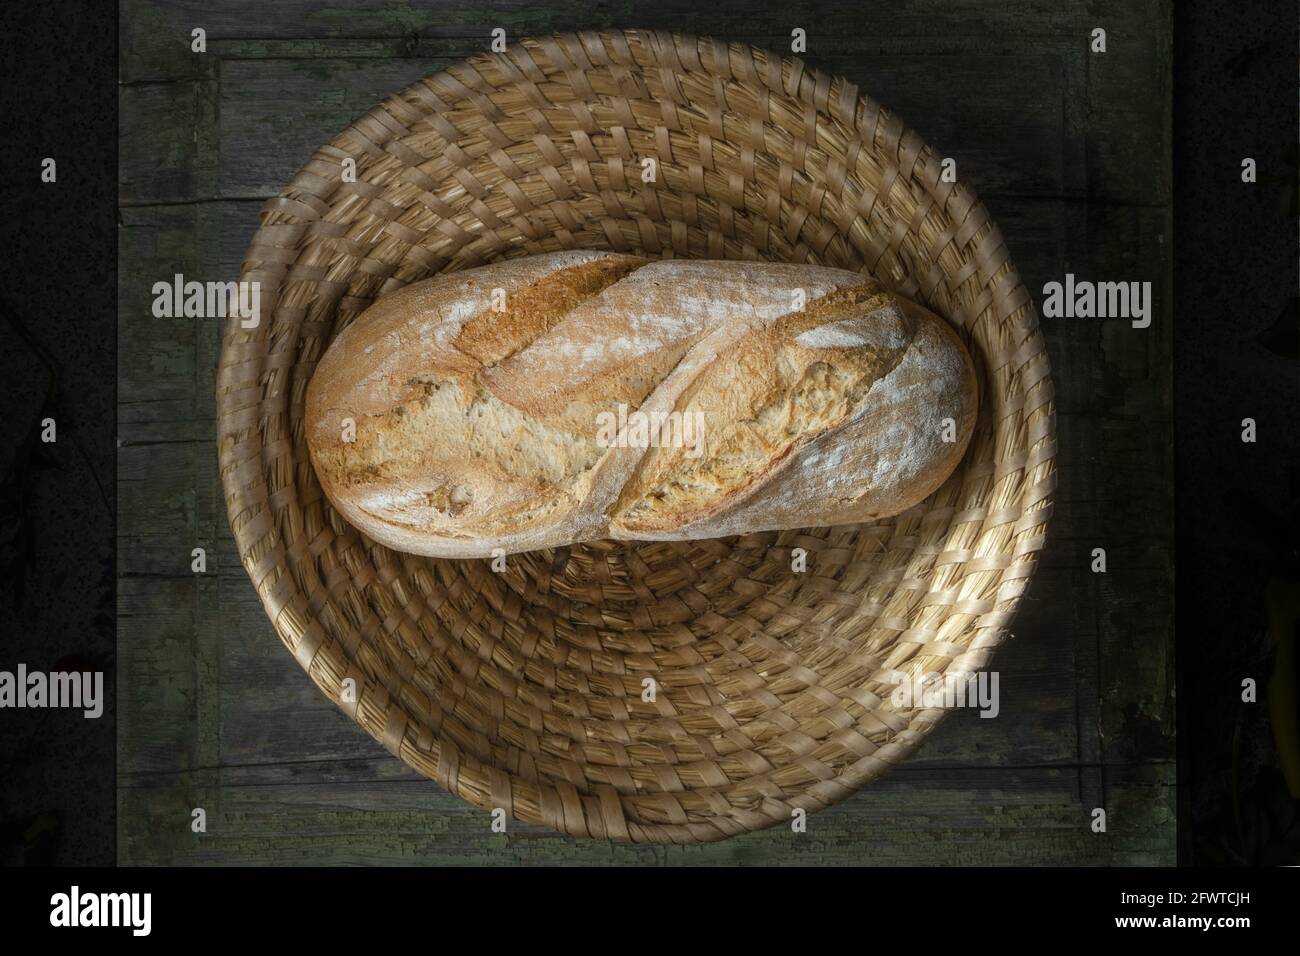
{"x": 523, "y": 689}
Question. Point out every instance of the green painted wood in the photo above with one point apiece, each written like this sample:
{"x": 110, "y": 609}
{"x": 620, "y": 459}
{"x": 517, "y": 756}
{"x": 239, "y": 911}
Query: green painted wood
{"x": 1069, "y": 150}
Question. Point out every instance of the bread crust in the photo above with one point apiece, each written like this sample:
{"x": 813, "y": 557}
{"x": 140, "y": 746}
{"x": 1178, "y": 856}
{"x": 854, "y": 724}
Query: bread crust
{"x": 821, "y": 399}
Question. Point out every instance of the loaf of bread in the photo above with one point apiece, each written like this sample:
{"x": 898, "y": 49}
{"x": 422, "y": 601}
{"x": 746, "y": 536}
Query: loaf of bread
{"x": 558, "y": 398}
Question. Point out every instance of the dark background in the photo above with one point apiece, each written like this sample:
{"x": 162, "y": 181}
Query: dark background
{"x": 1235, "y": 273}
{"x": 1234, "y": 95}
{"x": 58, "y": 348}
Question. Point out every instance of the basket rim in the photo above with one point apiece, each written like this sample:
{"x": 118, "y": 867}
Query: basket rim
{"x": 248, "y": 361}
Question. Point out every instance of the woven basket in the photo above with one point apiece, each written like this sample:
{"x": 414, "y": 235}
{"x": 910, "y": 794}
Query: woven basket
{"x": 523, "y": 689}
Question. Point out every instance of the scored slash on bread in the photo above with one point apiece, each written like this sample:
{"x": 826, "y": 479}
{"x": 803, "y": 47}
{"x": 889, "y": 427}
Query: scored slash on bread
{"x": 823, "y": 399}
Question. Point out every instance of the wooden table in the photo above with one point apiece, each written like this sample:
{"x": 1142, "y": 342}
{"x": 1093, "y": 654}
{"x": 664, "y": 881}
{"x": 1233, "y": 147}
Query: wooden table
{"x": 1069, "y": 149}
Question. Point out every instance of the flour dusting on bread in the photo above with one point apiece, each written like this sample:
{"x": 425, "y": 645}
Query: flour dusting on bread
{"x": 823, "y": 400}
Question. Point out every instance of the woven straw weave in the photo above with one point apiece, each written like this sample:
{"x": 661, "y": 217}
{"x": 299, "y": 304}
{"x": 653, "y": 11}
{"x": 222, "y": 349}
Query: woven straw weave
{"x": 523, "y": 689}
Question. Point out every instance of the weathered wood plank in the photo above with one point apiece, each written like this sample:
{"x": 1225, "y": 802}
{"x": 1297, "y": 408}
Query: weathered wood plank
{"x": 271, "y": 713}
{"x": 167, "y": 150}
{"x": 900, "y": 822}
{"x": 275, "y": 113}
{"x": 1118, "y": 93}
{"x": 1132, "y": 72}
